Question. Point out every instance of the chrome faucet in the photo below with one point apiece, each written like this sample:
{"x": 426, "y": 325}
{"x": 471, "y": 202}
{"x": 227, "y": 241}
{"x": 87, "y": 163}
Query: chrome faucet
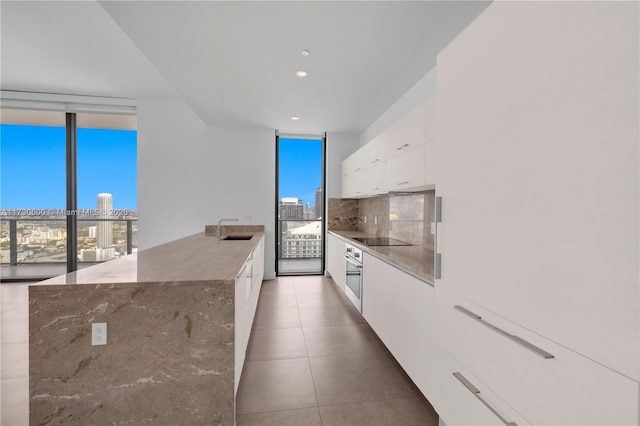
{"x": 220, "y": 229}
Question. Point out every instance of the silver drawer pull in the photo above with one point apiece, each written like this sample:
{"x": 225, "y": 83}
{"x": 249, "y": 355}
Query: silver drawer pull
{"x": 403, "y": 146}
{"x": 476, "y": 392}
{"x": 519, "y": 340}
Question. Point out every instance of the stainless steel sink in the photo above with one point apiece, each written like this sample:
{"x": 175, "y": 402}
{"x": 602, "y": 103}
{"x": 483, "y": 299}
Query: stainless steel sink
{"x": 236, "y": 238}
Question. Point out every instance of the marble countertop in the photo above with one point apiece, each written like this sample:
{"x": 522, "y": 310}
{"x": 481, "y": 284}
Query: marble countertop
{"x": 196, "y": 258}
{"x": 415, "y": 260}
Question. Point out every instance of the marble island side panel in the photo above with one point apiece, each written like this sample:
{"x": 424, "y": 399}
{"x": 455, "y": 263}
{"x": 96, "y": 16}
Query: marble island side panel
{"x": 169, "y": 356}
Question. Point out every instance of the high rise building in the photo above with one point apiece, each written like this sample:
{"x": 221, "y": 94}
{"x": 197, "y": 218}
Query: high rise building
{"x": 291, "y": 209}
{"x": 308, "y": 211}
{"x": 104, "y": 235}
{"x": 319, "y": 203}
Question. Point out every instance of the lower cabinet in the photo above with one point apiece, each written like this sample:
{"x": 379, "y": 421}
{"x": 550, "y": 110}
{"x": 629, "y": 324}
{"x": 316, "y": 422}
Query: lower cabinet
{"x": 335, "y": 260}
{"x": 462, "y": 399}
{"x": 247, "y": 291}
{"x": 377, "y": 296}
{"x": 544, "y": 382}
{"x": 399, "y": 308}
{"x": 413, "y": 329}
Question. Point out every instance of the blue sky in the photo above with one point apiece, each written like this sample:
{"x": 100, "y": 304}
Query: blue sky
{"x": 32, "y": 162}
{"x": 33, "y": 167}
{"x": 300, "y": 167}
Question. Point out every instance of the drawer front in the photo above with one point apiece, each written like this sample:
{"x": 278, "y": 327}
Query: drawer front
{"x": 543, "y": 381}
{"x": 461, "y": 399}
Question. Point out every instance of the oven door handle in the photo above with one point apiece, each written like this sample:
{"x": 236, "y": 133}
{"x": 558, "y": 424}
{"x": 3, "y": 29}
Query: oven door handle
{"x": 353, "y": 262}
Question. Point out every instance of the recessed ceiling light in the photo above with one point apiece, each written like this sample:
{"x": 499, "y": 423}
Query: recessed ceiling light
{"x": 302, "y": 73}
{"x": 295, "y": 117}
{"x": 305, "y": 53}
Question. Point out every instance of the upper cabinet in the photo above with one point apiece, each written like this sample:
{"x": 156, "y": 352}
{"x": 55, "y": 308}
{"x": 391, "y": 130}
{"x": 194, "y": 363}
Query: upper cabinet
{"x": 395, "y": 160}
{"x": 408, "y": 132}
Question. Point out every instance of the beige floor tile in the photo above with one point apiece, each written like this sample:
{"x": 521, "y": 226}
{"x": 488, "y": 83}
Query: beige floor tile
{"x": 341, "y": 340}
{"x": 330, "y": 315}
{"x": 359, "y": 378}
{"x": 275, "y": 385}
{"x": 281, "y": 343}
{"x": 300, "y": 417}
{"x": 277, "y": 318}
{"x": 390, "y": 412}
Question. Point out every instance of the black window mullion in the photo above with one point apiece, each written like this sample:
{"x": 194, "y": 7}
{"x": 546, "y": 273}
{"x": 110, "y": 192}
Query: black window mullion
{"x": 72, "y": 193}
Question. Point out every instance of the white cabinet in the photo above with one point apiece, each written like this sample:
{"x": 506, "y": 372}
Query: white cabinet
{"x": 376, "y": 150}
{"x": 538, "y": 169}
{"x": 407, "y": 170}
{"x": 430, "y": 110}
{"x": 457, "y": 397}
{"x": 377, "y": 296}
{"x": 413, "y": 329}
{"x": 408, "y": 132}
{"x": 353, "y": 182}
{"x": 375, "y": 179}
{"x": 335, "y": 260}
{"x": 545, "y": 382}
{"x": 399, "y": 308}
{"x": 247, "y": 290}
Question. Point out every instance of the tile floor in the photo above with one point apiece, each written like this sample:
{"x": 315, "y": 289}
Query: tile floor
{"x": 313, "y": 360}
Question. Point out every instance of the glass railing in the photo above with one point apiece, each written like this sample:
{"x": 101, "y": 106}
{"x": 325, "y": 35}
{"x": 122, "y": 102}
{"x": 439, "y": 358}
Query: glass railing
{"x": 44, "y": 240}
{"x": 300, "y": 239}
{"x": 300, "y": 246}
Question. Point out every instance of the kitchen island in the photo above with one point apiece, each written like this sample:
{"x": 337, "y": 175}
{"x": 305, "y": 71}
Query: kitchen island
{"x": 178, "y": 320}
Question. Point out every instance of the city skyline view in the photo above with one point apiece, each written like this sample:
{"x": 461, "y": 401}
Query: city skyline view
{"x": 32, "y": 160}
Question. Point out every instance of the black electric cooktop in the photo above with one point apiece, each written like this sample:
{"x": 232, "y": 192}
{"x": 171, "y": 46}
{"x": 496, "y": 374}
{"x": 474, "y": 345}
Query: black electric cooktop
{"x": 373, "y": 241}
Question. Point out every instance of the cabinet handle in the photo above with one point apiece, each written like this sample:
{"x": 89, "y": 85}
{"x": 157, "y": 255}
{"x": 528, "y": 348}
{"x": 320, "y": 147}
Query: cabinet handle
{"x": 519, "y": 340}
{"x": 402, "y": 147}
{"x": 403, "y": 183}
{"x": 476, "y": 392}
{"x": 375, "y": 161}
{"x": 357, "y": 169}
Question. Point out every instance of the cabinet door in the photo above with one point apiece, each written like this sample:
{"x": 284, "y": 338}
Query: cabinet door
{"x": 378, "y": 296}
{"x": 413, "y": 331}
{"x": 407, "y": 132}
{"x": 538, "y": 169}
{"x": 431, "y": 119}
{"x": 407, "y": 170}
{"x": 376, "y": 150}
{"x": 458, "y": 404}
{"x": 335, "y": 260}
{"x": 375, "y": 179}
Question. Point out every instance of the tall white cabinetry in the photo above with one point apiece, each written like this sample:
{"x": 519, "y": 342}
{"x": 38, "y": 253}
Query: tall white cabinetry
{"x": 537, "y": 167}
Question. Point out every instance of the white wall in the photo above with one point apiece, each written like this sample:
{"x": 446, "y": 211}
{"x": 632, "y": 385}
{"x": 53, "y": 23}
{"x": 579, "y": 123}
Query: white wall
{"x": 420, "y": 91}
{"x": 191, "y": 175}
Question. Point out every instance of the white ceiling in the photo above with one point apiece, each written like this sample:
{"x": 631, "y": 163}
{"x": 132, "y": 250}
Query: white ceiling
{"x": 234, "y": 62}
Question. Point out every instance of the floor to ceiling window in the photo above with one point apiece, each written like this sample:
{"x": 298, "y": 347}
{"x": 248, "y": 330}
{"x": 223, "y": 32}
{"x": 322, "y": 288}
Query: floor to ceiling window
{"x": 300, "y": 204}
{"x": 67, "y": 191}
